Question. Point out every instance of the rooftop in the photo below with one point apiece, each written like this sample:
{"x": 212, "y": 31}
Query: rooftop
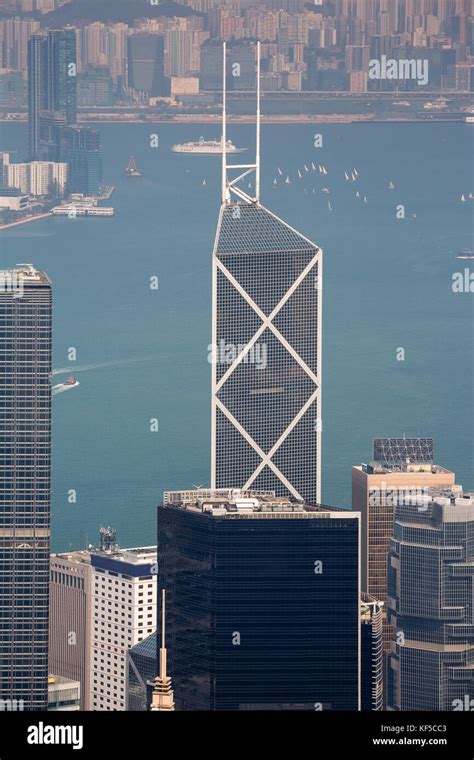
{"x": 236, "y": 503}
{"x": 26, "y": 273}
{"x": 407, "y": 468}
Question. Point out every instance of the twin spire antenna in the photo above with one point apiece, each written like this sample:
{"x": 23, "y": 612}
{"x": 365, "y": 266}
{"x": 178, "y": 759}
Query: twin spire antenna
{"x": 229, "y": 185}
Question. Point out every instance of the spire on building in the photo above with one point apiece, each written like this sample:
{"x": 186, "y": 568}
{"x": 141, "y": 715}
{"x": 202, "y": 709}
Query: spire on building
{"x": 162, "y": 696}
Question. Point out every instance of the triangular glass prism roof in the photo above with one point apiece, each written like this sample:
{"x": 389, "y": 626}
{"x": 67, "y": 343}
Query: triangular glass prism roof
{"x": 251, "y": 228}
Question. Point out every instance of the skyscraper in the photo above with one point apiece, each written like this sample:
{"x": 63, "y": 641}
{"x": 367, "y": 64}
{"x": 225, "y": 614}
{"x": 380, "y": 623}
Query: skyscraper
{"x": 430, "y": 601}
{"x": 61, "y": 73}
{"x": 262, "y": 602}
{"x": 103, "y": 602}
{"x": 400, "y": 468}
{"x": 25, "y": 484}
{"x": 146, "y": 63}
{"x": 266, "y": 344}
{"x": 37, "y": 93}
{"x": 52, "y": 80}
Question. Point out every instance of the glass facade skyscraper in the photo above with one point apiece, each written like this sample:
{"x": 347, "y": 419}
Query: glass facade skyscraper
{"x": 430, "y": 603}
{"x": 262, "y": 602}
{"x": 266, "y": 411}
{"x": 37, "y": 93}
{"x": 52, "y": 80}
{"x": 25, "y": 484}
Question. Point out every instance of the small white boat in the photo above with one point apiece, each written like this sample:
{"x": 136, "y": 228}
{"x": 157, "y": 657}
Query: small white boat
{"x": 463, "y": 198}
{"x": 325, "y": 190}
{"x": 320, "y": 168}
{"x": 391, "y": 186}
{"x": 313, "y": 166}
{"x": 274, "y": 181}
{"x": 353, "y": 176}
{"x": 314, "y": 191}
{"x": 329, "y": 206}
{"x": 287, "y": 181}
{"x": 365, "y": 199}
{"x": 279, "y": 171}
{"x": 356, "y": 172}
{"x": 306, "y": 168}
{"x": 346, "y": 176}
{"x": 204, "y": 182}
{"x": 471, "y": 197}
{"x": 325, "y": 171}
{"x": 299, "y": 174}
{"x": 357, "y": 194}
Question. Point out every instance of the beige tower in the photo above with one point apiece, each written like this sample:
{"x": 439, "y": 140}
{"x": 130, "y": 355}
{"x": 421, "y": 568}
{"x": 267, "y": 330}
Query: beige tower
{"x": 376, "y": 488}
{"x": 162, "y": 698}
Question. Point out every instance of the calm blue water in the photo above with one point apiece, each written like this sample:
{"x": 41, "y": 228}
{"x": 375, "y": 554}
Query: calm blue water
{"x": 143, "y": 354}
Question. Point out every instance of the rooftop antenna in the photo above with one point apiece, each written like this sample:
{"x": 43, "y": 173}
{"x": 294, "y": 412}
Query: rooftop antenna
{"x": 230, "y": 186}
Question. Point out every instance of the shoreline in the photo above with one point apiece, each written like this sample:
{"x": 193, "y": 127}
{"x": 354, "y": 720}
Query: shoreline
{"x": 370, "y": 118}
{"x": 27, "y": 220}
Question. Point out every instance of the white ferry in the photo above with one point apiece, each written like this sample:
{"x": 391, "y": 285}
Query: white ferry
{"x": 206, "y": 147}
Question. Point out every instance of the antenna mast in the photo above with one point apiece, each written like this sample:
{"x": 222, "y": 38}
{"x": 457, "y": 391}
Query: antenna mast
{"x": 230, "y": 186}
{"x": 225, "y": 192}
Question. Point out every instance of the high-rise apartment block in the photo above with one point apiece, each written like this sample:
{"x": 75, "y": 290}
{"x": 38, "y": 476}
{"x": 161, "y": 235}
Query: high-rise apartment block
{"x": 103, "y": 602}
{"x": 262, "y": 602}
{"x": 25, "y": 484}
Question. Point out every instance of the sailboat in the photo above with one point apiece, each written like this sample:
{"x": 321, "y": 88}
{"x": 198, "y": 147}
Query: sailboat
{"x": 204, "y": 182}
{"x": 365, "y": 199}
{"x": 313, "y": 166}
{"x": 353, "y": 176}
{"x": 463, "y": 198}
{"x": 287, "y": 181}
{"x": 299, "y": 174}
{"x": 320, "y": 169}
{"x": 314, "y": 191}
{"x": 356, "y": 172}
{"x": 471, "y": 197}
{"x": 306, "y": 168}
{"x": 279, "y": 170}
{"x": 325, "y": 190}
{"x": 357, "y": 194}
{"x": 274, "y": 181}
{"x": 325, "y": 171}
{"x": 391, "y": 186}
{"x": 131, "y": 168}
{"x": 346, "y": 176}
{"x": 329, "y": 206}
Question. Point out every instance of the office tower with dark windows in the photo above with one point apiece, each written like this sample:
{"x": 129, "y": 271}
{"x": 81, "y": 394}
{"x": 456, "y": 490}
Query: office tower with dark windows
{"x": 430, "y": 603}
{"x": 81, "y": 150}
{"x": 61, "y": 73}
{"x": 146, "y": 64}
{"x": 372, "y": 670}
{"x": 52, "y": 80}
{"x": 25, "y": 484}
{"x": 262, "y": 602}
{"x": 266, "y": 343}
{"x": 399, "y": 468}
{"x": 37, "y": 91}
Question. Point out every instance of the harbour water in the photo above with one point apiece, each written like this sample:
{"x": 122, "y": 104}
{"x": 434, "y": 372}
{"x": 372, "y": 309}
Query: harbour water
{"x": 141, "y": 353}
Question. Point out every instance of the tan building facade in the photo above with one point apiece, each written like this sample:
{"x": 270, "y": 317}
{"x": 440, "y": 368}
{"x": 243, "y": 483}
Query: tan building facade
{"x": 376, "y": 489}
